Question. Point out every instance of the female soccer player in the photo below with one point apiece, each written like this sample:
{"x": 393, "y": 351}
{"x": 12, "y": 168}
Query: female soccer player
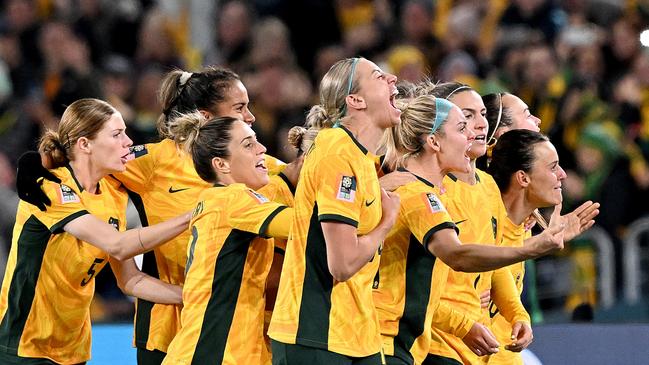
{"x": 478, "y": 198}
{"x": 324, "y": 312}
{"x": 504, "y": 112}
{"x": 55, "y": 254}
{"x": 162, "y": 180}
{"x": 529, "y": 176}
{"x": 227, "y": 265}
{"x": 431, "y": 141}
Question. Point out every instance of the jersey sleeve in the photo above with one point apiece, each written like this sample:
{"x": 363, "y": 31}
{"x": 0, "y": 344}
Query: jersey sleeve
{"x": 274, "y": 165}
{"x": 505, "y": 296}
{"x": 252, "y": 212}
{"x": 425, "y": 215}
{"x": 337, "y": 191}
{"x": 139, "y": 169}
{"x": 451, "y": 321}
{"x": 279, "y": 189}
{"x": 66, "y": 206}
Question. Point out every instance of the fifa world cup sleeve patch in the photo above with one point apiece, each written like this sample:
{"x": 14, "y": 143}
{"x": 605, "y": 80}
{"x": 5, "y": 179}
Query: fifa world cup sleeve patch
{"x": 433, "y": 203}
{"x": 346, "y": 189}
{"x": 67, "y": 195}
{"x": 258, "y": 197}
{"x": 137, "y": 151}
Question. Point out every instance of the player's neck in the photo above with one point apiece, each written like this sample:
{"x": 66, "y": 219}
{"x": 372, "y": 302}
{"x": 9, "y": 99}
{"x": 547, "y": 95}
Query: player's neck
{"x": 365, "y": 132}
{"x": 87, "y": 176}
{"x": 518, "y": 209}
{"x": 427, "y": 167}
{"x": 467, "y": 177}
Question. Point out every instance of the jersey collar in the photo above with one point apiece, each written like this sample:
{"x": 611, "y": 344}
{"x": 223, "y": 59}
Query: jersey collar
{"x": 402, "y": 169}
{"x": 454, "y": 178}
{"x": 74, "y": 177}
{"x": 358, "y": 144}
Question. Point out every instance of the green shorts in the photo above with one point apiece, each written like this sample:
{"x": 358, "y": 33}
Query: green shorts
{"x": 146, "y": 357}
{"x": 9, "y": 359}
{"x": 439, "y": 360}
{"x": 285, "y": 354}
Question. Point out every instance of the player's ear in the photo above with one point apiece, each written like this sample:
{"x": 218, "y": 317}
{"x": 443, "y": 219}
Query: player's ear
{"x": 221, "y": 166}
{"x": 522, "y": 178}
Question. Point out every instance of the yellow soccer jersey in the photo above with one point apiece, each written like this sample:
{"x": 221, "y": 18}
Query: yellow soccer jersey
{"x": 274, "y": 165}
{"x": 223, "y": 296}
{"x": 338, "y": 182}
{"x": 162, "y": 183}
{"x": 514, "y": 236}
{"x": 411, "y": 280}
{"x": 49, "y": 280}
{"x": 279, "y": 189}
{"x": 476, "y": 210}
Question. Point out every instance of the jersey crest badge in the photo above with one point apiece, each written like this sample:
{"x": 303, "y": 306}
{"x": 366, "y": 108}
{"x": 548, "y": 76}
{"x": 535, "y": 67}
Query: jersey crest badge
{"x": 346, "y": 189}
{"x": 67, "y": 195}
{"x": 433, "y": 202}
{"x": 114, "y": 222}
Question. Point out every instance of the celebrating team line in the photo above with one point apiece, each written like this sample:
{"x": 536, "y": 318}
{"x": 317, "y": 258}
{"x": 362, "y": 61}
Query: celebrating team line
{"x": 398, "y": 235}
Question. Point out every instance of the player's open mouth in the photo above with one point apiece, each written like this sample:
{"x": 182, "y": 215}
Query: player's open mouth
{"x": 393, "y": 96}
{"x": 466, "y": 152}
{"x": 127, "y": 157}
{"x": 261, "y": 166}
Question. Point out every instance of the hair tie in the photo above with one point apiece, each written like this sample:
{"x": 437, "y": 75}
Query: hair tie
{"x": 182, "y": 84}
{"x": 184, "y": 78}
{"x": 500, "y": 114}
{"x": 442, "y": 108}
{"x": 58, "y": 144}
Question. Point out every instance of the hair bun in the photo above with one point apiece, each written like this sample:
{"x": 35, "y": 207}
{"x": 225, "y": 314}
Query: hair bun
{"x": 296, "y": 136}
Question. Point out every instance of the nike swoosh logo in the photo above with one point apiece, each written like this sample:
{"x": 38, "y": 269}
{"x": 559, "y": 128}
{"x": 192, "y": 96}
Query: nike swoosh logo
{"x": 172, "y": 190}
{"x": 367, "y": 204}
{"x": 458, "y": 222}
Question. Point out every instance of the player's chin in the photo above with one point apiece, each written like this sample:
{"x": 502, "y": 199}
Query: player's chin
{"x": 118, "y": 167}
{"x": 259, "y": 181}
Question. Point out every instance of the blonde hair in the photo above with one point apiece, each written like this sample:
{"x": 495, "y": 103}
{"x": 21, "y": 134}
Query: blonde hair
{"x": 301, "y": 138}
{"x": 83, "y": 118}
{"x": 334, "y": 88}
{"x": 407, "y": 139}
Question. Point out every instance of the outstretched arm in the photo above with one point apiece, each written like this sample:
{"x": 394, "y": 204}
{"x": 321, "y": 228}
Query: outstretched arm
{"x": 123, "y": 245}
{"x": 134, "y": 282}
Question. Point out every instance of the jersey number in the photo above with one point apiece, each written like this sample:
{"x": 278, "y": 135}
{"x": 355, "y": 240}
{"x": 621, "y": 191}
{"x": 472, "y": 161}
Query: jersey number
{"x": 192, "y": 246}
{"x": 91, "y": 272}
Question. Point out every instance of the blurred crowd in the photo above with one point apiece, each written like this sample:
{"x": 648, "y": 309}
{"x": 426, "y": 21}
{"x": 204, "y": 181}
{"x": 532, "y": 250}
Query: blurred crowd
{"x": 578, "y": 64}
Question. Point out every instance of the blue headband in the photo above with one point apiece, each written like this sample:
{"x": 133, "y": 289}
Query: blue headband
{"x": 442, "y": 107}
{"x": 350, "y": 82}
{"x": 351, "y": 75}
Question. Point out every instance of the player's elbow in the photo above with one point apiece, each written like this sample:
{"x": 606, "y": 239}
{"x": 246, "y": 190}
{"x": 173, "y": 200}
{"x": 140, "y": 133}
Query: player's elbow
{"x": 340, "y": 272}
{"x": 118, "y": 252}
{"x": 459, "y": 265}
{"x": 457, "y": 262}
